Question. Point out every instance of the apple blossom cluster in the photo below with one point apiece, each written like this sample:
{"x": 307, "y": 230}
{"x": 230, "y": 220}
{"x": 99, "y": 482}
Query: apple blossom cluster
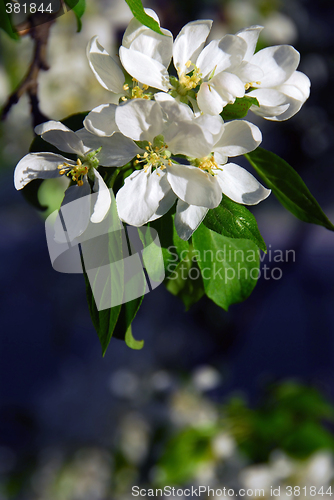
{"x": 169, "y": 127}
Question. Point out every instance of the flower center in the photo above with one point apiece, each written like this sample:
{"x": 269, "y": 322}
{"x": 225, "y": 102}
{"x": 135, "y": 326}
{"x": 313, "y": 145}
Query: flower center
{"x": 251, "y": 84}
{"x": 136, "y": 92}
{"x": 190, "y": 82}
{"x": 187, "y": 81}
{"x": 156, "y": 154}
{"x": 82, "y": 168}
{"x": 206, "y": 164}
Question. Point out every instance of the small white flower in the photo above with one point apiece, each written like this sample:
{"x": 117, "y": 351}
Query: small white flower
{"x": 210, "y": 67}
{"x": 91, "y": 150}
{"x": 144, "y": 54}
{"x": 271, "y": 72}
{"x": 239, "y": 137}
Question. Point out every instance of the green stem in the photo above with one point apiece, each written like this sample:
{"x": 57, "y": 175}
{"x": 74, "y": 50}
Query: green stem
{"x": 111, "y": 180}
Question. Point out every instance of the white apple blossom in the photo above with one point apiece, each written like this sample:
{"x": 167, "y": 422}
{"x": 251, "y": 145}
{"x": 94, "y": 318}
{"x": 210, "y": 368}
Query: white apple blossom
{"x": 146, "y": 56}
{"x": 90, "y": 150}
{"x": 165, "y": 128}
{"x": 239, "y": 137}
{"x": 208, "y": 69}
{"x": 152, "y": 53}
{"x": 271, "y": 74}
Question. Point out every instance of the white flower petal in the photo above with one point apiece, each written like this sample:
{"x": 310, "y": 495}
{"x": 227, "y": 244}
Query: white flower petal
{"x": 188, "y": 218}
{"x": 268, "y": 97}
{"x": 277, "y": 63}
{"x": 116, "y": 151}
{"x": 222, "y": 89}
{"x": 143, "y": 39}
{"x": 145, "y": 69}
{"x": 60, "y": 136}
{"x": 197, "y": 112}
{"x": 297, "y": 81}
{"x": 234, "y": 48}
{"x": 189, "y": 43}
{"x": 228, "y": 84}
{"x": 209, "y": 101}
{"x": 240, "y": 185}
{"x": 249, "y": 73}
{"x": 75, "y": 209}
{"x": 294, "y": 91}
{"x": 38, "y": 166}
{"x": 140, "y": 196}
{"x": 175, "y": 111}
{"x": 211, "y": 58}
{"x": 272, "y": 103}
{"x": 212, "y": 127}
{"x": 135, "y": 28}
{"x": 105, "y": 68}
{"x": 220, "y": 158}
{"x": 250, "y": 35}
{"x": 103, "y": 200}
{"x": 194, "y": 186}
{"x": 101, "y": 120}
{"x": 166, "y": 202}
{"x": 282, "y": 113}
{"x": 139, "y": 119}
{"x": 188, "y": 138}
{"x": 239, "y": 137}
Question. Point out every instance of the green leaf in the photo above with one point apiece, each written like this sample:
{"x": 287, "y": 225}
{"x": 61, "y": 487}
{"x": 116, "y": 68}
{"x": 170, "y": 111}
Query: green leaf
{"x": 115, "y": 321}
{"x": 5, "y": 22}
{"x": 185, "y": 280}
{"x": 288, "y": 187}
{"x": 50, "y": 194}
{"x": 126, "y": 316}
{"x": 138, "y": 12}
{"x": 78, "y": 7}
{"x": 182, "y": 275}
{"x": 75, "y": 122}
{"x": 103, "y": 321}
{"x": 174, "y": 249}
{"x": 239, "y": 108}
{"x": 235, "y": 221}
{"x": 229, "y": 266}
{"x": 131, "y": 341}
{"x": 184, "y": 454}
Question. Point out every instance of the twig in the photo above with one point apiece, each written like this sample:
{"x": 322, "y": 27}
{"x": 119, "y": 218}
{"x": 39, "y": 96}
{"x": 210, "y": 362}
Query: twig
{"x": 38, "y": 28}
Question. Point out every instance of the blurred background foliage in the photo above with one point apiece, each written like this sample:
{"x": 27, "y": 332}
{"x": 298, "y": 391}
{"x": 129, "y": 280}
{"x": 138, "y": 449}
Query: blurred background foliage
{"x": 239, "y": 399}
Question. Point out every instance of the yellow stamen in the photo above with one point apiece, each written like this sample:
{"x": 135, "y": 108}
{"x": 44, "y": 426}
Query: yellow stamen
{"x": 207, "y": 164}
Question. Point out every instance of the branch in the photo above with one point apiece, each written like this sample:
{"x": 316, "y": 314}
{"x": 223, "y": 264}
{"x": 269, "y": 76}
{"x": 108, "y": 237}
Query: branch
{"x": 38, "y": 27}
